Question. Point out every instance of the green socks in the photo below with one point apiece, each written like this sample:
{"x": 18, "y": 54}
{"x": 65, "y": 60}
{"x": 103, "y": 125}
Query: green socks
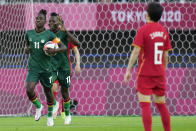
{"x": 66, "y": 106}
{"x": 36, "y": 103}
{"x": 50, "y": 110}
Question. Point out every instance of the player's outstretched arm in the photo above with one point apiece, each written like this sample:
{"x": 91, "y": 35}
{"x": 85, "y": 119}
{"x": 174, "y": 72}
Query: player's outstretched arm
{"x": 132, "y": 60}
{"x": 77, "y": 54}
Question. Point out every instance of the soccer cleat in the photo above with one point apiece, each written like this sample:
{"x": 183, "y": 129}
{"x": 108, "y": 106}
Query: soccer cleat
{"x": 67, "y": 120}
{"x": 55, "y": 110}
{"x": 38, "y": 113}
{"x": 50, "y": 121}
{"x": 63, "y": 115}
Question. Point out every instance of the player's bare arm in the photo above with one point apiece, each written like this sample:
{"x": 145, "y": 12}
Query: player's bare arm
{"x": 77, "y": 54}
{"x": 132, "y": 60}
{"x": 27, "y": 48}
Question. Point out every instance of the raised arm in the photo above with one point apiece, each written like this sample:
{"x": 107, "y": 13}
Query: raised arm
{"x": 70, "y": 38}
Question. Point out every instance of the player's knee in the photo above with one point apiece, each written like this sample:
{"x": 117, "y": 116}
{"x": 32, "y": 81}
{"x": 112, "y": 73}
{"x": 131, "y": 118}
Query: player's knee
{"x": 144, "y": 98}
{"x": 159, "y": 99}
{"x": 29, "y": 89}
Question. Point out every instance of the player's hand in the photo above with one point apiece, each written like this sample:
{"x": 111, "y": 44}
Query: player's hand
{"x": 127, "y": 77}
{"x": 27, "y": 50}
{"x": 62, "y": 28}
{"x": 77, "y": 69}
{"x": 51, "y": 51}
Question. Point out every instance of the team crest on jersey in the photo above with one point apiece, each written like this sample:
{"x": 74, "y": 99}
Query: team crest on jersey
{"x": 42, "y": 41}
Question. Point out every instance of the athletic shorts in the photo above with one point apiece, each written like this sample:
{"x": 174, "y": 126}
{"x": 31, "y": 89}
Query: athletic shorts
{"x": 46, "y": 78}
{"x": 56, "y": 81}
{"x": 55, "y": 74}
{"x": 148, "y": 85}
{"x": 64, "y": 78}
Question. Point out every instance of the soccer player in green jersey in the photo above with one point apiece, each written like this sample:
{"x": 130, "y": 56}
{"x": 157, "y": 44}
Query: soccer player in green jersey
{"x": 61, "y": 63}
{"x": 39, "y": 64}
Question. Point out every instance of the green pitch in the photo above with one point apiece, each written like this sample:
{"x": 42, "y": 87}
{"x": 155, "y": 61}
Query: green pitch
{"x": 93, "y": 123}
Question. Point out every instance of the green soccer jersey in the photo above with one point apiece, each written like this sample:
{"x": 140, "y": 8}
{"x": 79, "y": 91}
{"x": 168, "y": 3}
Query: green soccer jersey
{"x": 61, "y": 60}
{"x": 38, "y": 60}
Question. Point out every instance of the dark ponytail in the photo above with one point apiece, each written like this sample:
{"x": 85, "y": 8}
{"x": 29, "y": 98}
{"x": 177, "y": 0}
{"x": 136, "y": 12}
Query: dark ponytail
{"x": 44, "y": 12}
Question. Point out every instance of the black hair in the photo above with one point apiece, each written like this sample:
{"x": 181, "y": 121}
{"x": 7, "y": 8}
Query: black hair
{"x": 58, "y": 16}
{"x": 44, "y": 12}
{"x": 53, "y": 14}
{"x": 154, "y": 11}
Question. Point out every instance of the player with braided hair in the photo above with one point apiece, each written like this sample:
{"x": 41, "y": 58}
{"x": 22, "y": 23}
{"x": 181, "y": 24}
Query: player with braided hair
{"x": 62, "y": 64}
{"x": 39, "y": 64}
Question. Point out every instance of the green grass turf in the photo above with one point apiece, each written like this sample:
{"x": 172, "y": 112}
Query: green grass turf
{"x": 93, "y": 123}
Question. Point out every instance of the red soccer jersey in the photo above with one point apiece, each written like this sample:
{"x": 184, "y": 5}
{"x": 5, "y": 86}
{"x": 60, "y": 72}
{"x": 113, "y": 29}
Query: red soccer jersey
{"x": 153, "y": 39}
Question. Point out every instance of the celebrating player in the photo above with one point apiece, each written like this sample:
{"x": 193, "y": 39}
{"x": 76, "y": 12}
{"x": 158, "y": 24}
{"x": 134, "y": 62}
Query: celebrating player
{"x": 62, "y": 63}
{"x": 39, "y": 65}
{"x": 153, "y": 43}
{"x": 77, "y": 55}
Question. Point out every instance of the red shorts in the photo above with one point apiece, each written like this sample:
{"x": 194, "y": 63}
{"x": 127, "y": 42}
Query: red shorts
{"x": 149, "y": 85}
{"x": 56, "y": 82}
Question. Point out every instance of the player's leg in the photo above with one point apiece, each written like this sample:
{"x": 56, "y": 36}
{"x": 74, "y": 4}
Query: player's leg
{"x": 46, "y": 80}
{"x": 159, "y": 99}
{"x": 56, "y": 103}
{"x": 144, "y": 96}
{"x": 31, "y": 81}
{"x": 146, "y": 112}
{"x": 55, "y": 88}
{"x": 66, "y": 104}
{"x": 64, "y": 80}
{"x": 62, "y": 110}
{"x": 54, "y": 93}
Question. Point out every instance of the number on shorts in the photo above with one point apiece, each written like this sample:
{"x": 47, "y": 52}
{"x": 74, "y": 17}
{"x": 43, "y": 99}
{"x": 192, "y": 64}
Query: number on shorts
{"x": 68, "y": 79}
{"x": 50, "y": 79}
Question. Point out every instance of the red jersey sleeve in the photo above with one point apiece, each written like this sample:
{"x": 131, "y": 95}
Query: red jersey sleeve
{"x": 168, "y": 43}
{"x": 72, "y": 45}
{"x": 139, "y": 38}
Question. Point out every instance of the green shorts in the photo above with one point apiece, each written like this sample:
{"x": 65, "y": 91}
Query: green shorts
{"x": 63, "y": 77}
{"x": 46, "y": 78}
{"x": 54, "y": 74}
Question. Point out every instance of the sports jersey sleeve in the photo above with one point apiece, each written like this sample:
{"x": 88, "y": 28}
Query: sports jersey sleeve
{"x": 139, "y": 39}
{"x": 168, "y": 43}
{"x": 72, "y": 45}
